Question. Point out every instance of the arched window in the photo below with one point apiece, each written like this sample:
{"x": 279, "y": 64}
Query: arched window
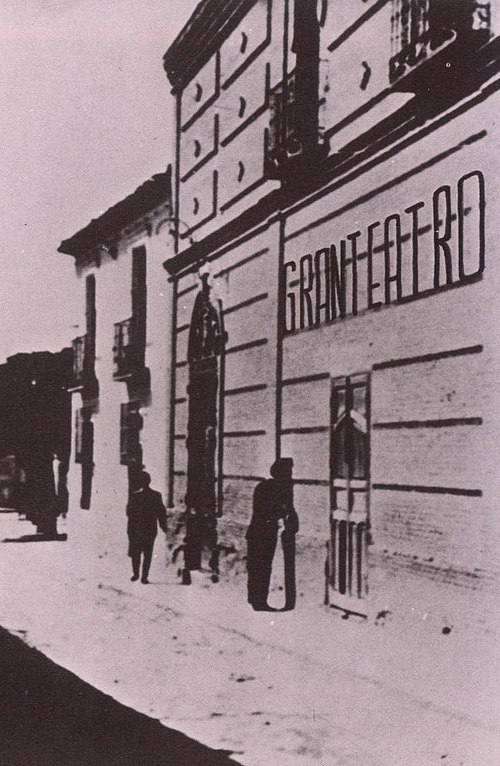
{"x": 205, "y": 335}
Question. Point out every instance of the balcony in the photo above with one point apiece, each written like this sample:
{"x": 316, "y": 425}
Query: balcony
{"x": 83, "y": 377}
{"x": 431, "y": 40}
{"x": 294, "y": 144}
{"x": 128, "y": 349}
{"x": 78, "y": 377}
{"x": 282, "y": 142}
{"x": 131, "y": 423}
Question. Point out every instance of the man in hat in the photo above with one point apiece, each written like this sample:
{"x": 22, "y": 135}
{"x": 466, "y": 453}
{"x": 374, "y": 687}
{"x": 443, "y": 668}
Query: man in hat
{"x": 145, "y": 510}
{"x": 272, "y": 501}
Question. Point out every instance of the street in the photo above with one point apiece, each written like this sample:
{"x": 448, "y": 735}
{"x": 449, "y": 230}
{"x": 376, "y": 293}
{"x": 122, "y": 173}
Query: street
{"x": 297, "y": 688}
{"x": 49, "y": 717}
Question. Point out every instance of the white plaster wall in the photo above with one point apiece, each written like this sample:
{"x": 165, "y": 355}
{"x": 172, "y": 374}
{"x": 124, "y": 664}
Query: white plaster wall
{"x": 106, "y": 515}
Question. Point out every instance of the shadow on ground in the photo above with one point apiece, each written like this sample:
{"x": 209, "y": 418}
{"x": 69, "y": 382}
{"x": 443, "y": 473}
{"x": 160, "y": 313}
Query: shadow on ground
{"x": 49, "y": 717}
{"x": 35, "y": 539}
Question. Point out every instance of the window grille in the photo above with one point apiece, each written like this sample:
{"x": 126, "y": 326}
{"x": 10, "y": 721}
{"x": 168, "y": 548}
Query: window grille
{"x": 421, "y": 28}
{"x": 78, "y": 345}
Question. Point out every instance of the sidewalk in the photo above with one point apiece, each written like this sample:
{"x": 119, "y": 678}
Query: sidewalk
{"x": 301, "y": 688}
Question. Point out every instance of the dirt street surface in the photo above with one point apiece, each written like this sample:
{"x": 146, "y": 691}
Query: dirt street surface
{"x": 49, "y": 717}
{"x": 300, "y": 688}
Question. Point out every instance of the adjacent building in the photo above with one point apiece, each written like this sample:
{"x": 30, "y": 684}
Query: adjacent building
{"x": 121, "y": 378}
{"x": 35, "y": 435}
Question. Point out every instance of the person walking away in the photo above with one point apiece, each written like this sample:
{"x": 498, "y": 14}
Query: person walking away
{"x": 145, "y": 511}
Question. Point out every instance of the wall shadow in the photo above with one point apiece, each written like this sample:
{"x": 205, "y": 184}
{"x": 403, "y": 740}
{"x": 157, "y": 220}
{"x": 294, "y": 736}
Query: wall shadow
{"x": 49, "y": 717}
{"x": 36, "y": 539}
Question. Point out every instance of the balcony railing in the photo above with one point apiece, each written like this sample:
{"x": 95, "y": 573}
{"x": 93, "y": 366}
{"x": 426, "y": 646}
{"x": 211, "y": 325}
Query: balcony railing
{"x": 294, "y": 140}
{"x": 130, "y": 427}
{"x": 128, "y": 349}
{"x": 421, "y": 29}
{"x": 78, "y": 378}
{"x": 283, "y": 142}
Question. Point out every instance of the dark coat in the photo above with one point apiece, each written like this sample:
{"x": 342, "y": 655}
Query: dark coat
{"x": 271, "y": 502}
{"x": 145, "y": 510}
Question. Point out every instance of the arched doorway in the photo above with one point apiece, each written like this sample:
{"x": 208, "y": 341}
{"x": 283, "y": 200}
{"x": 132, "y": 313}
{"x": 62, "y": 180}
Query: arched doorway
{"x": 205, "y": 359}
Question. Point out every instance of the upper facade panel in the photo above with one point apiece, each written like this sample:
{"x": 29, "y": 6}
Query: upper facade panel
{"x": 247, "y": 41}
{"x": 200, "y": 92}
{"x": 272, "y": 96}
{"x": 223, "y": 121}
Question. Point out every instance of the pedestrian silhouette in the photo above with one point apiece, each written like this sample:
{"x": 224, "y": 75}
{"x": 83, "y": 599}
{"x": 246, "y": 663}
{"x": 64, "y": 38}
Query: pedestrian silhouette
{"x": 145, "y": 510}
{"x": 272, "y": 502}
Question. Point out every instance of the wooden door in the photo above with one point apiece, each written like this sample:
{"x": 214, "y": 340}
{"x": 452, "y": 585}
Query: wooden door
{"x": 349, "y": 492}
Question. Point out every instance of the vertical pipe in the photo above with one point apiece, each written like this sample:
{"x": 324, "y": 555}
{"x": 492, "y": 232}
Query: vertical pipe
{"x": 280, "y": 321}
{"x": 220, "y": 426}
{"x": 177, "y": 170}
{"x": 173, "y": 360}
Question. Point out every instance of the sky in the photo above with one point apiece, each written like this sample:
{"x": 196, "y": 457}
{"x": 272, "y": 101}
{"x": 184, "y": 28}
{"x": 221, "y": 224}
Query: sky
{"x": 85, "y": 117}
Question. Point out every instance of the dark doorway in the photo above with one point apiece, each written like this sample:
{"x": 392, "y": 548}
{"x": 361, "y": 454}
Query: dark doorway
{"x": 87, "y": 460}
{"x": 205, "y": 358}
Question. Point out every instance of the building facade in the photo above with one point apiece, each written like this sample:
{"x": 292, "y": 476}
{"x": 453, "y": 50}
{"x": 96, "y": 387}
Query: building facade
{"x": 334, "y": 283}
{"x": 121, "y": 359}
{"x": 35, "y": 435}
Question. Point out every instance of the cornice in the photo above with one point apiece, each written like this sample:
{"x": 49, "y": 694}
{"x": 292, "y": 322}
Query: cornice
{"x": 211, "y": 23}
{"x": 128, "y": 214}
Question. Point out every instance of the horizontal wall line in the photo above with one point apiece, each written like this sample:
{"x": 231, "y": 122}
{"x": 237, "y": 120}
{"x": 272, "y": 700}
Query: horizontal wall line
{"x": 249, "y": 189}
{"x": 182, "y": 328}
{"x": 209, "y": 217}
{"x": 429, "y": 490}
{"x": 403, "y": 361}
{"x": 339, "y": 489}
{"x": 181, "y": 400}
{"x": 382, "y": 248}
{"x": 240, "y": 477}
{"x": 246, "y": 346}
{"x": 234, "y": 244}
{"x": 202, "y": 109}
{"x": 180, "y": 436}
{"x": 313, "y": 482}
{"x": 305, "y": 379}
{"x": 363, "y": 18}
{"x": 393, "y": 182}
{"x": 437, "y": 423}
{"x": 245, "y": 389}
{"x": 243, "y": 262}
{"x": 181, "y": 364}
{"x": 245, "y": 124}
{"x": 243, "y": 434}
{"x": 357, "y": 113}
{"x": 251, "y": 57}
{"x": 248, "y": 302}
{"x": 431, "y": 292}
{"x": 236, "y": 240}
{"x": 186, "y": 290}
{"x": 201, "y": 163}
{"x": 179, "y": 473}
{"x": 306, "y": 430}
